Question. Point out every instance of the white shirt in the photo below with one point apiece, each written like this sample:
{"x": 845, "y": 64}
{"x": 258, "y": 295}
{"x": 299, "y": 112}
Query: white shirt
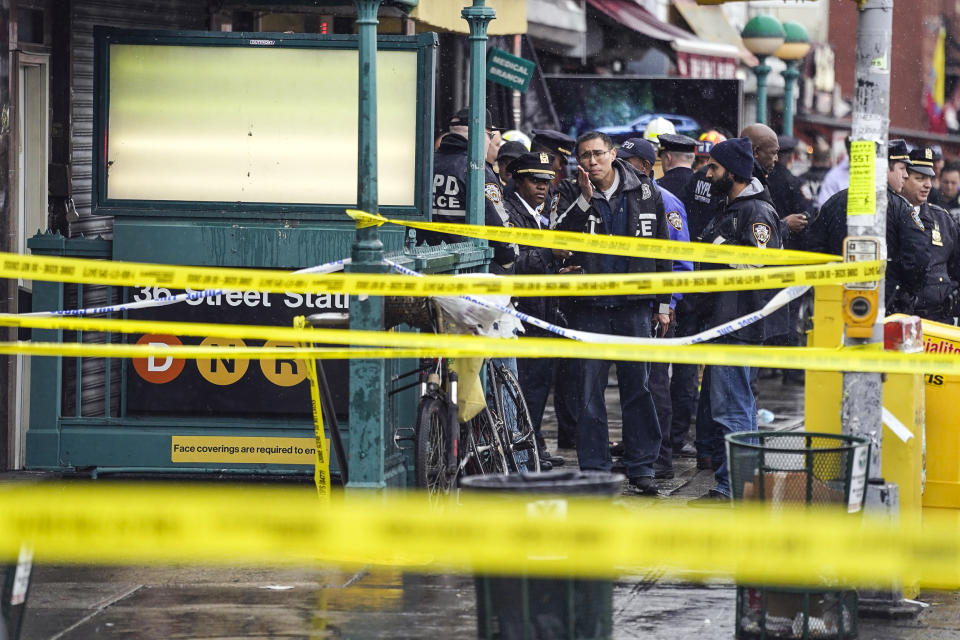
{"x": 608, "y": 193}
{"x": 533, "y": 212}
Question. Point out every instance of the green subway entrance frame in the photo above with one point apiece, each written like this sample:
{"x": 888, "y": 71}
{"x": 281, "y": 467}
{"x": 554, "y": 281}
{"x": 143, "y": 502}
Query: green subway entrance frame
{"x": 70, "y": 433}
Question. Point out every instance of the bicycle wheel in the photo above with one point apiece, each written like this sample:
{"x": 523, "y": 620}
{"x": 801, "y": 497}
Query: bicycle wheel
{"x": 430, "y": 449}
{"x": 485, "y": 448}
{"x": 522, "y": 452}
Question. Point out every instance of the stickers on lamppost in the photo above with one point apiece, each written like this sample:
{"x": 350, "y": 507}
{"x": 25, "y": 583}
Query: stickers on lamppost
{"x": 862, "y": 197}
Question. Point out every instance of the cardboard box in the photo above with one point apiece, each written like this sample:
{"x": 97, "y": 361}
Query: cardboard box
{"x": 790, "y": 486}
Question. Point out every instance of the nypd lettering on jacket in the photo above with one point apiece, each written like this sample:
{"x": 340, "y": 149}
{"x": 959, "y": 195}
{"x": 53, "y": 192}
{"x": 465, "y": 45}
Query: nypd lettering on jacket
{"x": 448, "y": 195}
{"x": 701, "y": 191}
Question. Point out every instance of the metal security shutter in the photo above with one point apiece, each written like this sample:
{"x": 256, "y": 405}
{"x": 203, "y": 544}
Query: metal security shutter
{"x": 132, "y": 14}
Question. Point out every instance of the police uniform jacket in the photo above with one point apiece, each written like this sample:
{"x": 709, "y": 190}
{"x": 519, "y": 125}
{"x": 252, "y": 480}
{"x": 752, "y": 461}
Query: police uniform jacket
{"x": 675, "y": 180}
{"x": 943, "y": 274}
{"x": 450, "y": 200}
{"x": 700, "y": 203}
{"x": 749, "y": 220}
{"x": 908, "y": 245}
{"x": 639, "y": 201}
{"x": 534, "y": 261}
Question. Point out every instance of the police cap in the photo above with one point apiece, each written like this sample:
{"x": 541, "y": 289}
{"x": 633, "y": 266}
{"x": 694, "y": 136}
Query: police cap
{"x": 510, "y": 150}
{"x": 677, "y": 142}
{"x": 533, "y": 165}
{"x": 637, "y": 148}
{"x": 555, "y": 141}
{"x": 897, "y": 150}
{"x": 462, "y": 119}
{"x": 921, "y": 161}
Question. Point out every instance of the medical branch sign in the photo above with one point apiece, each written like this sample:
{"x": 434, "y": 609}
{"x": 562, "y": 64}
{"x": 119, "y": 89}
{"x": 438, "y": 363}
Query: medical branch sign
{"x": 509, "y": 70}
{"x": 164, "y": 385}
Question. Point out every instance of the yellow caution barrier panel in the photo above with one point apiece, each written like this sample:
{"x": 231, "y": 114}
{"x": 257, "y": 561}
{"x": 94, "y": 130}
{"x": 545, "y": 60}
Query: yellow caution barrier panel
{"x": 132, "y": 523}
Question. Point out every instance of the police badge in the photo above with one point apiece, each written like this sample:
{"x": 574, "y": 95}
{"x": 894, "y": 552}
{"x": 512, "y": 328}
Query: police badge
{"x": 645, "y": 191}
{"x": 492, "y": 192}
{"x": 761, "y": 232}
{"x": 673, "y": 217}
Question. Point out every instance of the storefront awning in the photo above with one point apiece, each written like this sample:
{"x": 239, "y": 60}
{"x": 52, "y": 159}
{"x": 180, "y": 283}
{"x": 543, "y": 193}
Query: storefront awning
{"x": 710, "y": 23}
{"x": 445, "y": 15}
{"x": 695, "y": 57}
{"x": 561, "y": 23}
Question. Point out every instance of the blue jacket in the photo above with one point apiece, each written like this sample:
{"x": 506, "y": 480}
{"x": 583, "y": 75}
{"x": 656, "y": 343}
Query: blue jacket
{"x": 676, "y": 215}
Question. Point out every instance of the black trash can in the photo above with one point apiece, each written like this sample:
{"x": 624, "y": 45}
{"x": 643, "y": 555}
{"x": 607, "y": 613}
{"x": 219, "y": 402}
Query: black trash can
{"x": 521, "y": 607}
{"x": 820, "y": 470}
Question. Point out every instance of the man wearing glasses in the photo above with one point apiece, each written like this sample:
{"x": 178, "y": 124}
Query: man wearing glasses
{"x": 609, "y": 197}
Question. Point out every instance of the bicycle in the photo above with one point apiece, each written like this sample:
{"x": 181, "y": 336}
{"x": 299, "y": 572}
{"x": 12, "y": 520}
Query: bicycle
{"x": 504, "y": 388}
{"x": 443, "y": 453}
{"x": 499, "y": 439}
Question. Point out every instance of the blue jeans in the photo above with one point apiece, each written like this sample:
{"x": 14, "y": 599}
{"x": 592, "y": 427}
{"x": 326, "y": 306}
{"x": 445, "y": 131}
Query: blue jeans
{"x": 683, "y": 383}
{"x": 641, "y": 429}
{"x": 726, "y": 406}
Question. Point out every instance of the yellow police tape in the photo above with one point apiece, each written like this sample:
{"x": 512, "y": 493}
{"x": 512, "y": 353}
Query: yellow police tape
{"x": 133, "y": 523}
{"x": 613, "y": 245}
{"x": 321, "y": 466}
{"x": 395, "y": 344}
{"x": 133, "y": 274}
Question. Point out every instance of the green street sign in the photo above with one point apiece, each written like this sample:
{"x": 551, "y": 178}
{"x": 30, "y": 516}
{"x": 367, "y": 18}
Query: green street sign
{"x": 509, "y": 70}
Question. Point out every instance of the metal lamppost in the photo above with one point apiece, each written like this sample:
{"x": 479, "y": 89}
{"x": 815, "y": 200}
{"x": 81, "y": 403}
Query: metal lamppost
{"x": 762, "y": 36}
{"x": 794, "y": 49}
{"x": 478, "y": 17}
{"x": 367, "y": 377}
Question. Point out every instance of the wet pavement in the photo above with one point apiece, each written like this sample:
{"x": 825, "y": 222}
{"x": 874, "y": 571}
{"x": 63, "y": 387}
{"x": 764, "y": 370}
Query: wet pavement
{"x": 120, "y": 603}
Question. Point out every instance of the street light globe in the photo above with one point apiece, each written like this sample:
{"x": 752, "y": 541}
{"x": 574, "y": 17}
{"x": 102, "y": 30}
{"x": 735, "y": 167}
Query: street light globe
{"x": 797, "y": 43}
{"x": 763, "y": 35}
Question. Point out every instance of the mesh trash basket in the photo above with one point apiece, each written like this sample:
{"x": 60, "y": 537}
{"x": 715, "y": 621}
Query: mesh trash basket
{"x": 521, "y": 607}
{"x": 822, "y": 471}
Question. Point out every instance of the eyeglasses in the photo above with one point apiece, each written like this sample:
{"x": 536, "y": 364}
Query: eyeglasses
{"x": 586, "y": 155}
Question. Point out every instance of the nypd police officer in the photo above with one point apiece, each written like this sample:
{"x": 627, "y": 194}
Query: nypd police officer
{"x": 532, "y": 175}
{"x": 677, "y": 153}
{"x": 450, "y": 190}
{"x": 567, "y": 374}
{"x": 908, "y": 248}
{"x": 938, "y": 298}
